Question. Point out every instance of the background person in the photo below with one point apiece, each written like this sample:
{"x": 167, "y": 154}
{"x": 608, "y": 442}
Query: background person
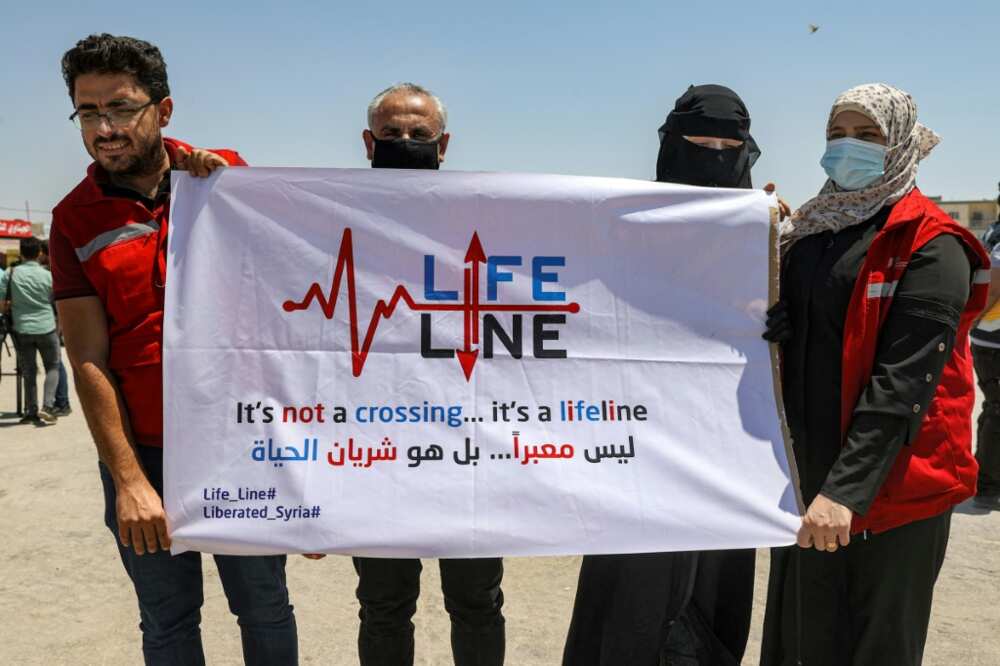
{"x": 60, "y": 406}
{"x": 879, "y": 291}
{"x": 985, "y": 338}
{"x": 29, "y": 287}
{"x": 6, "y": 325}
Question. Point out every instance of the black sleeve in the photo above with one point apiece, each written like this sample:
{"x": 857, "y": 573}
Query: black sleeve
{"x": 914, "y": 344}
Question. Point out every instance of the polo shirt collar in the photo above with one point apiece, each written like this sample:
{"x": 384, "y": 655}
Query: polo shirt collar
{"x": 97, "y": 177}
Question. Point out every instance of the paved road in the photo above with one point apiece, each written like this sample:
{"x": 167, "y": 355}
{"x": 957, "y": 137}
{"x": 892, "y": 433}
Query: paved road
{"x": 66, "y": 599}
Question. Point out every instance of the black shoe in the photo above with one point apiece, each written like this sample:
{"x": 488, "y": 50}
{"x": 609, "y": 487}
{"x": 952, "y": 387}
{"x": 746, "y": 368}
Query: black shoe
{"x": 991, "y": 501}
{"x": 63, "y": 411}
{"x": 32, "y": 419}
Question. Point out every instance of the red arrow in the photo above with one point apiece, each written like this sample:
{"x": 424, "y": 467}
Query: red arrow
{"x": 475, "y": 251}
{"x": 467, "y": 356}
{"x": 467, "y": 359}
{"x": 475, "y": 256}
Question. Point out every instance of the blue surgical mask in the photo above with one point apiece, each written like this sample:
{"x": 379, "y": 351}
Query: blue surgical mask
{"x": 853, "y": 164}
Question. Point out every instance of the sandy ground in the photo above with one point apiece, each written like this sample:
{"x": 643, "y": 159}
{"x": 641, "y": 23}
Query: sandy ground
{"x": 64, "y": 598}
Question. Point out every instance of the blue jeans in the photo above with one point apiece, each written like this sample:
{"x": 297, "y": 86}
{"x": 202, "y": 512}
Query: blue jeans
{"x": 45, "y": 345}
{"x": 62, "y": 388}
{"x": 169, "y": 591}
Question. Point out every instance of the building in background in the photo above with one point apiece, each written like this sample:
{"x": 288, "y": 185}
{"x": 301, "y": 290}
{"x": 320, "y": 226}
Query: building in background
{"x": 976, "y": 216}
{"x": 11, "y": 233}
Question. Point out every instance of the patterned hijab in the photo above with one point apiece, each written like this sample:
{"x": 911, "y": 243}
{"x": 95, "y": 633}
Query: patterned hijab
{"x": 908, "y": 142}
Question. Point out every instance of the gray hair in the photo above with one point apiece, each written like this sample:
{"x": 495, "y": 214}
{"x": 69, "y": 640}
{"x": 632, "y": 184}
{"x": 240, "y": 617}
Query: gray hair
{"x": 411, "y": 88}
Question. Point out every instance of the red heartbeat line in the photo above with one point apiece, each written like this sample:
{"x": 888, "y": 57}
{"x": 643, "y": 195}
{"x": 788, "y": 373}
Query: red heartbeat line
{"x": 470, "y": 306}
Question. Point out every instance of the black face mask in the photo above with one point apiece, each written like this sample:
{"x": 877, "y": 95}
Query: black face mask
{"x": 405, "y": 154}
{"x": 687, "y": 163}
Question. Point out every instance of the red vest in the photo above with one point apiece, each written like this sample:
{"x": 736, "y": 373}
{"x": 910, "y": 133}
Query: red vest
{"x": 121, "y": 246}
{"x": 937, "y": 469}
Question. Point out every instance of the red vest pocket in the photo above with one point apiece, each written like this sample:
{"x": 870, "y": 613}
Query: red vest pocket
{"x": 928, "y": 467}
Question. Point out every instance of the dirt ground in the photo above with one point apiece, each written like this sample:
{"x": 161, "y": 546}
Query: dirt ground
{"x": 66, "y": 599}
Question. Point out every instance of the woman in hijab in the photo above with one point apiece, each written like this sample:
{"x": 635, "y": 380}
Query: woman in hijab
{"x": 628, "y": 606}
{"x": 879, "y": 290}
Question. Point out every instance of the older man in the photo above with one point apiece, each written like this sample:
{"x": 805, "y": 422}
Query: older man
{"x": 406, "y": 130}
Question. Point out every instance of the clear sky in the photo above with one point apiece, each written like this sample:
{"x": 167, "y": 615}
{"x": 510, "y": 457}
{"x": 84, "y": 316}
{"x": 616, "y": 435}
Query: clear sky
{"x": 562, "y": 87}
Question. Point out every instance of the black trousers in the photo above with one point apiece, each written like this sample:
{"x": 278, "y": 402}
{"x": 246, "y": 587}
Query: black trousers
{"x": 388, "y": 590}
{"x": 987, "y": 362}
{"x": 630, "y": 609}
{"x": 868, "y": 604}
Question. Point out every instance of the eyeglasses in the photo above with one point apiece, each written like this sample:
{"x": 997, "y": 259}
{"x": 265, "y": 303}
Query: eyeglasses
{"x": 120, "y": 116}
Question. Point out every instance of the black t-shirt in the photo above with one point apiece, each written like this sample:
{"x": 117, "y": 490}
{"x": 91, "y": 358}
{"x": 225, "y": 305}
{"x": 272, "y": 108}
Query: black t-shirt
{"x": 916, "y": 340}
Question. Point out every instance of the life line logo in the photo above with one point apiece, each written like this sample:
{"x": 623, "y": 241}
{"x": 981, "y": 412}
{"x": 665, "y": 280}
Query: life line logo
{"x": 481, "y": 325}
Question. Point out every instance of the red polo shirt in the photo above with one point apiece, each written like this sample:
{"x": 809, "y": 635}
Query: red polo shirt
{"x": 111, "y": 243}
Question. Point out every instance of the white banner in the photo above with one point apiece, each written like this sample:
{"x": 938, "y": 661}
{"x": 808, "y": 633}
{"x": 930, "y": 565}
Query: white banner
{"x": 434, "y": 364}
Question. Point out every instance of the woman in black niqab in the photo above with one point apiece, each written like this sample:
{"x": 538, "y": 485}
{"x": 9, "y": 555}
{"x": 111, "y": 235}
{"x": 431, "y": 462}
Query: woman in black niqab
{"x": 688, "y": 158}
{"x": 653, "y": 608}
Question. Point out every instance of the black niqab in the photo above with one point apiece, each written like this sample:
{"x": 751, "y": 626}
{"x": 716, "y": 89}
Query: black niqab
{"x": 708, "y": 110}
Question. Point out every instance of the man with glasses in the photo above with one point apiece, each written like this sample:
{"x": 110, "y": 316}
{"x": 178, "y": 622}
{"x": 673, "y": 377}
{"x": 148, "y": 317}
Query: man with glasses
{"x": 108, "y": 253}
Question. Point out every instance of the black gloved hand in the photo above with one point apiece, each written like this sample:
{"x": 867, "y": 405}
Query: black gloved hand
{"x": 779, "y": 324}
